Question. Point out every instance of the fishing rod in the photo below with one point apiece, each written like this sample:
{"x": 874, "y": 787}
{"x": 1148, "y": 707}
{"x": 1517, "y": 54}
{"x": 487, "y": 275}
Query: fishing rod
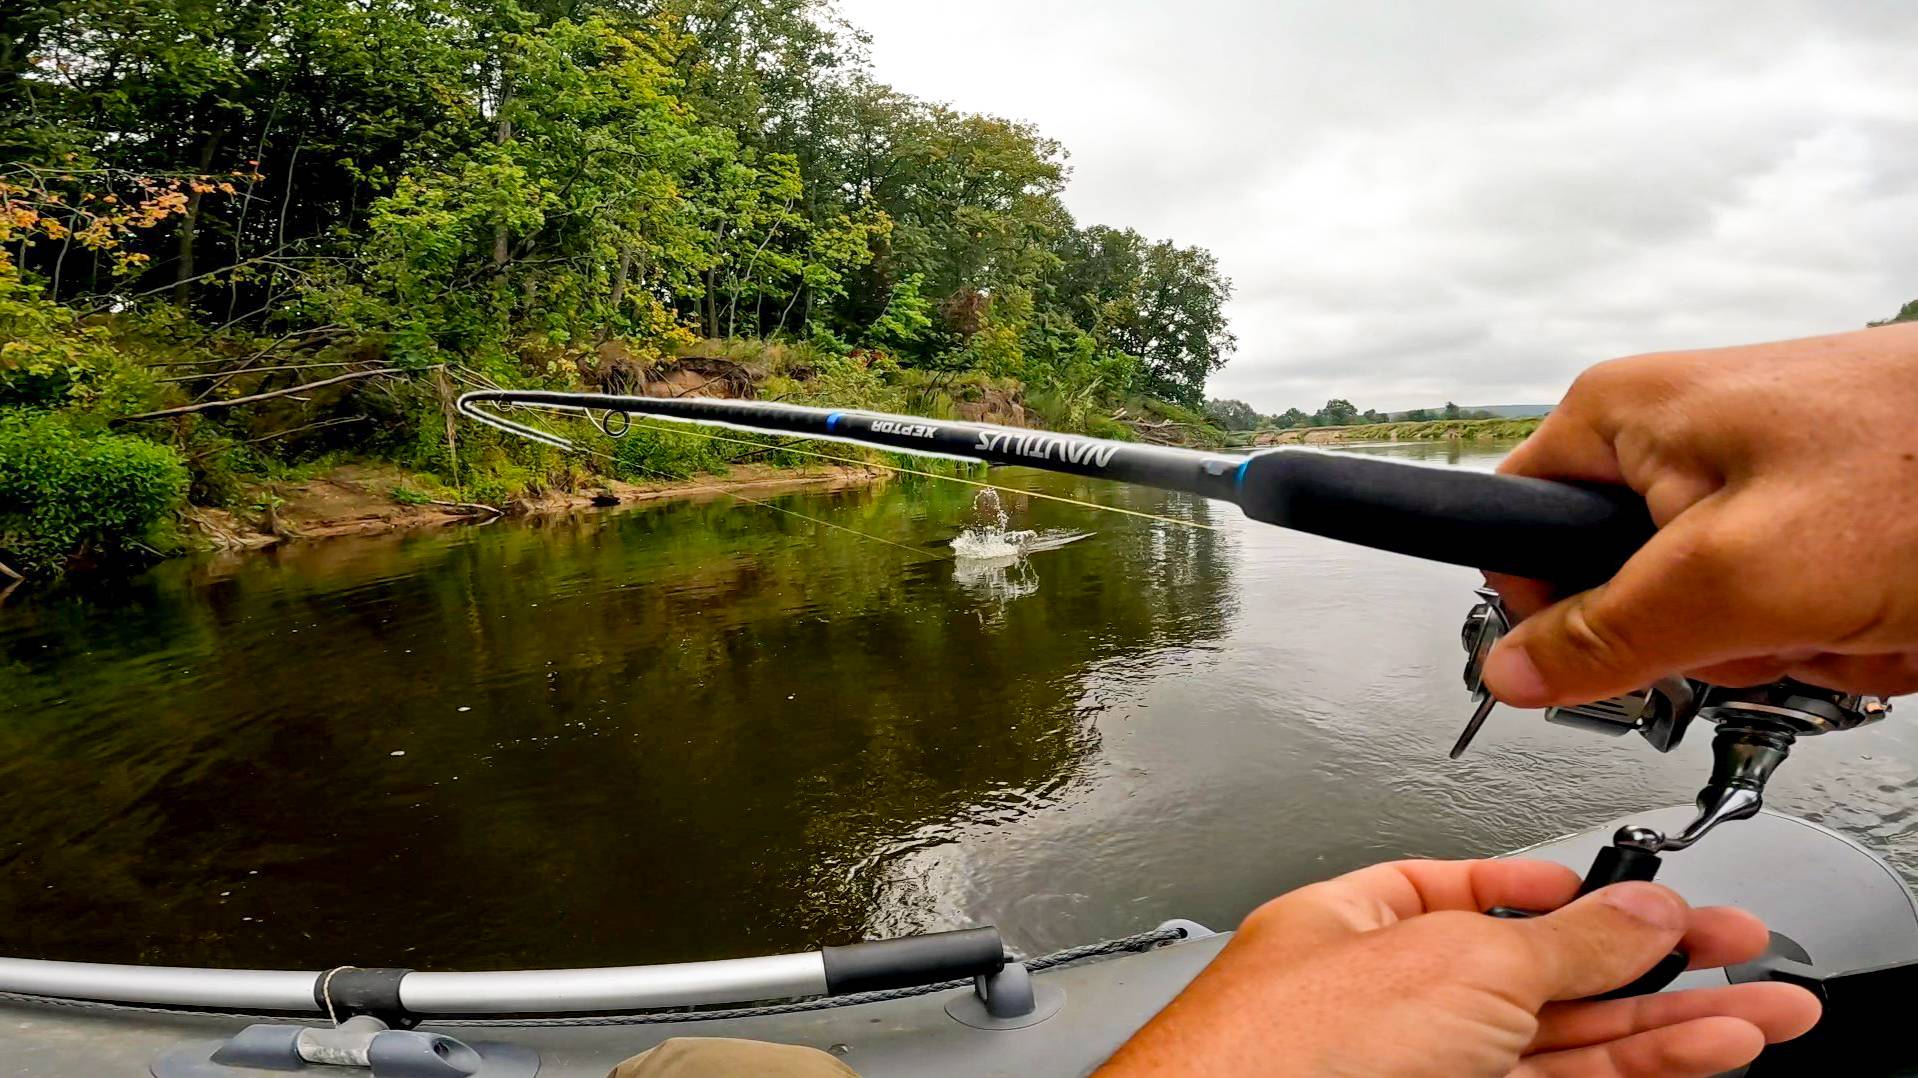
{"x": 1569, "y": 534}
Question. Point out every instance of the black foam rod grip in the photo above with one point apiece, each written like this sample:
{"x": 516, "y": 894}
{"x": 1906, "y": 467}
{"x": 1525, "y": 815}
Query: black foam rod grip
{"x": 1570, "y": 535}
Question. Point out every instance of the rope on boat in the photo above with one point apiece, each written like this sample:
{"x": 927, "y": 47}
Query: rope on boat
{"x": 1141, "y": 941}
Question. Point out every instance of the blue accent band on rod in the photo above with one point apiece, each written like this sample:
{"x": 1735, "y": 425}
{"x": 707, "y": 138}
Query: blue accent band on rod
{"x": 1239, "y": 480}
{"x": 832, "y": 420}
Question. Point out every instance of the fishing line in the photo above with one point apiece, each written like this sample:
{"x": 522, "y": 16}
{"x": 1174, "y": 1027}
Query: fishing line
{"x": 917, "y": 553}
{"x": 630, "y": 422}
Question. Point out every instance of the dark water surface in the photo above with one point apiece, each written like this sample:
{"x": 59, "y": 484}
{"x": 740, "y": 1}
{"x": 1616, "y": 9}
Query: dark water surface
{"x": 704, "y": 729}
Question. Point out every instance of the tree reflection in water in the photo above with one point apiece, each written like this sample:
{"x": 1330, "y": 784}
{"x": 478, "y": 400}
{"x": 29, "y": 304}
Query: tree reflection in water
{"x": 687, "y": 731}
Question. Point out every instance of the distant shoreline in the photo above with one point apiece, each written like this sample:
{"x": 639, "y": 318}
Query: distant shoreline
{"x": 1433, "y": 430}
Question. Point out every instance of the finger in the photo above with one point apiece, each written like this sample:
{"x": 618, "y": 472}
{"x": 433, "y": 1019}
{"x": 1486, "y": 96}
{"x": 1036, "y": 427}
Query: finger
{"x": 1780, "y": 1011}
{"x": 1523, "y": 596}
{"x": 1760, "y": 670}
{"x": 1875, "y": 675}
{"x": 1381, "y": 895}
{"x": 1598, "y": 435}
{"x": 1574, "y": 443}
{"x": 1679, "y": 603}
{"x": 1600, "y": 942}
{"x": 1694, "y": 1049}
{"x": 1723, "y": 936}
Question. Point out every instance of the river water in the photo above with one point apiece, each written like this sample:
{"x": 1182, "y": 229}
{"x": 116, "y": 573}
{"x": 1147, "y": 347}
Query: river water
{"x": 705, "y": 729}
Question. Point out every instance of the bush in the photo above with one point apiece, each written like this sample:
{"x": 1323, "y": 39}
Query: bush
{"x": 644, "y": 455}
{"x": 66, "y": 493}
{"x": 49, "y": 359}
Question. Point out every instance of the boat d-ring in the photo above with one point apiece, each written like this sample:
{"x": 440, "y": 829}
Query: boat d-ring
{"x": 1011, "y": 998}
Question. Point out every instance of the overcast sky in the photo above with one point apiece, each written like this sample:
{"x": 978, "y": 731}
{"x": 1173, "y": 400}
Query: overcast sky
{"x": 1467, "y": 201}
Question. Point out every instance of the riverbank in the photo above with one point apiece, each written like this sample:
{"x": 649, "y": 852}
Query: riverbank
{"x": 1437, "y": 430}
{"x": 376, "y": 499}
{"x": 368, "y": 499}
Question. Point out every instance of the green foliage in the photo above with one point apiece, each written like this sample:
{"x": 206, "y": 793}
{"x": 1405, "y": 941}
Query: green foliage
{"x": 1100, "y": 426}
{"x": 1231, "y": 414}
{"x": 49, "y": 359}
{"x": 1338, "y": 413}
{"x": 67, "y": 493}
{"x": 643, "y": 456}
{"x": 907, "y": 317}
{"x": 1907, "y": 313}
{"x": 1157, "y": 301}
{"x": 1343, "y": 413}
{"x": 869, "y": 380}
{"x": 523, "y": 192}
{"x": 1470, "y": 429}
{"x": 1432, "y": 430}
{"x": 457, "y": 178}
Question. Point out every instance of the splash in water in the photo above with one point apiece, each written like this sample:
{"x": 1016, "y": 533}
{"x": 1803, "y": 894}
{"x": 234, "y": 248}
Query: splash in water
{"x": 990, "y": 558}
{"x": 987, "y": 538}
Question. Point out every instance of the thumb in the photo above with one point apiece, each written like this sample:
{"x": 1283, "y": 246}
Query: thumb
{"x": 1674, "y": 606}
{"x": 1602, "y": 941}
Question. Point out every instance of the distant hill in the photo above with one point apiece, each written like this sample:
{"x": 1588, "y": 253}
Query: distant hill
{"x": 1503, "y": 411}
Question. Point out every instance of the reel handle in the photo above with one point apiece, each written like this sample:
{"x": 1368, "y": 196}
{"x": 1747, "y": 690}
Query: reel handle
{"x": 1632, "y": 855}
{"x": 1570, "y": 535}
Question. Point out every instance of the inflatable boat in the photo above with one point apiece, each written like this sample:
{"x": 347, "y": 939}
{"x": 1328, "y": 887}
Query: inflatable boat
{"x": 1843, "y": 923}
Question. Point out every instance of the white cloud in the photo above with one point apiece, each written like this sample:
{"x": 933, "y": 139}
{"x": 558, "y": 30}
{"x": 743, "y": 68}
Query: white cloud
{"x": 1422, "y": 202}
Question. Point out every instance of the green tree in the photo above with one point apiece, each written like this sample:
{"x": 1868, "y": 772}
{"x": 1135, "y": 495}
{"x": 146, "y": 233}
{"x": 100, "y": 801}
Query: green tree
{"x": 1155, "y": 300}
{"x": 540, "y": 192}
{"x": 1232, "y": 414}
{"x": 906, "y": 319}
{"x": 1907, "y": 313}
{"x": 1338, "y": 413}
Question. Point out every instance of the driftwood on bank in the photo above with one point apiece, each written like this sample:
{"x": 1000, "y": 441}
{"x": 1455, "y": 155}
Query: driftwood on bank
{"x": 470, "y": 507}
{"x": 289, "y": 391}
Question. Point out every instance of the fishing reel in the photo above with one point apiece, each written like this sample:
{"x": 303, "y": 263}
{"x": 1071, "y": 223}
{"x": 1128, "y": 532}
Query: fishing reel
{"x": 1757, "y": 726}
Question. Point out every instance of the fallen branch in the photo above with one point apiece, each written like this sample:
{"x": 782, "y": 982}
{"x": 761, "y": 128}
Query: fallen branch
{"x": 9, "y": 573}
{"x": 493, "y": 509}
{"x": 287, "y": 392}
{"x": 255, "y": 370}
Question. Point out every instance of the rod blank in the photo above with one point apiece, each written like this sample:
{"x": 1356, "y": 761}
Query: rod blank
{"x": 1571, "y": 535}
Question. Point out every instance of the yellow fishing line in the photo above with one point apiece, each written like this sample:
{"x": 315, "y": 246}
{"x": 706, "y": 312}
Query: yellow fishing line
{"x": 669, "y": 429}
